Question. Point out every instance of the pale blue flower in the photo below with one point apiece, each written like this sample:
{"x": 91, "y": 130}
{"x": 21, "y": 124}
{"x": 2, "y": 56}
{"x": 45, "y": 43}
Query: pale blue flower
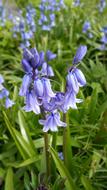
{"x": 38, "y": 87}
{"x": 25, "y": 85}
{"x": 52, "y": 122}
{"x": 8, "y": 103}
{"x": 80, "y": 77}
{"x": 81, "y": 51}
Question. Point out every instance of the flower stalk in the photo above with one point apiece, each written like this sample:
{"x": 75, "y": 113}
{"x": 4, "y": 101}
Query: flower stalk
{"x": 47, "y": 160}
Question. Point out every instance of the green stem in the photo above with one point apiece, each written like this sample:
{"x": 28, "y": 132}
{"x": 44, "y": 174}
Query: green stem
{"x": 54, "y": 140}
{"x": 47, "y": 155}
{"x": 64, "y": 139}
{"x": 53, "y": 166}
{"x": 67, "y": 149}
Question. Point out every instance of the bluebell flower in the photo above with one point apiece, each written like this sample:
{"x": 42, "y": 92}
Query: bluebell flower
{"x": 42, "y": 19}
{"x": 61, "y": 4}
{"x": 34, "y": 104}
{"x": 75, "y": 79}
{"x": 25, "y": 26}
{"x": 55, "y": 103}
{"x": 47, "y": 13}
{"x": 4, "y": 94}
{"x": 101, "y": 5}
{"x": 34, "y": 85}
{"x": 103, "y": 39}
{"x": 81, "y": 51}
{"x": 104, "y": 30}
{"x": 76, "y": 3}
{"x": 27, "y": 106}
{"x": 80, "y": 77}
{"x": 1, "y": 82}
{"x": 86, "y": 26}
{"x": 86, "y": 29}
{"x": 38, "y": 87}
{"x": 52, "y": 122}
{"x": 70, "y": 101}
{"x": 47, "y": 90}
{"x": 90, "y": 35}
{"x": 50, "y": 71}
{"x": 37, "y": 91}
{"x": 44, "y": 69}
{"x": 50, "y": 55}
{"x": 60, "y": 154}
{"x": 2, "y": 15}
{"x": 72, "y": 82}
{"x": 26, "y": 66}
{"x": 47, "y": 70}
{"x": 25, "y": 85}
{"x": 8, "y": 103}
{"x": 103, "y": 47}
{"x": 1, "y": 79}
{"x": 46, "y": 27}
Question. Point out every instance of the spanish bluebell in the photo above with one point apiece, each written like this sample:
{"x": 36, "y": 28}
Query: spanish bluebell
{"x": 37, "y": 89}
{"x": 52, "y": 122}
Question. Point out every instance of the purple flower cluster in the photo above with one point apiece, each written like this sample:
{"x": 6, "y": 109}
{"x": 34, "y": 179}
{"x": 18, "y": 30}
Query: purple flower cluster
{"x": 4, "y": 94}
{"x": 25, "y": 26}
{"x": 104, "y": 39}
{"x": 101, "y": 5}
{"x": 86, "y": 29}
{"x": 47, "y": 15}
{"x": 2, "y": 15}
{"x": 36, "y": 87}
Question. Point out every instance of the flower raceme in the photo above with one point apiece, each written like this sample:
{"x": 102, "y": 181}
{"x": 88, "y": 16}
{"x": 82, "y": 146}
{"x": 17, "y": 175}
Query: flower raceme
{"x": 4, "y": 94}
{"x": 37, "y": 90}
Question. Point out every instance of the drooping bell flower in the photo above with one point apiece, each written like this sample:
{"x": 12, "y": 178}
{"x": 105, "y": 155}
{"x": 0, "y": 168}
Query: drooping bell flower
{"x": 81, "y": 51}
{"x": 52, "y": 122}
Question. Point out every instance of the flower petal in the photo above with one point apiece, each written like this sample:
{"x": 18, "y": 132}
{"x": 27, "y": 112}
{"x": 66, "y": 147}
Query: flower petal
{"x": 80, "y": 77}
{"x": 25, "y": 85}
{"x": 38, "y": 87}
{"x": 72, "y": 82}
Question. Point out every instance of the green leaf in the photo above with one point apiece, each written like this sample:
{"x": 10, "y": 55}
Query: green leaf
{"x": 86, "y": 183}
{"x": 10, "y": 128}
{"x": 92, "y": 106}
{"x": 9, "y": 185}
{"x": 23, "y": 144}
{"x": 69, "y": 183}
{"x": 26, "y": 181}
{"x": 2, "y": 173}
{"x": 25, "y": 149}
{"x": 25, "y": 130}
{"x": 24, "y": 163}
